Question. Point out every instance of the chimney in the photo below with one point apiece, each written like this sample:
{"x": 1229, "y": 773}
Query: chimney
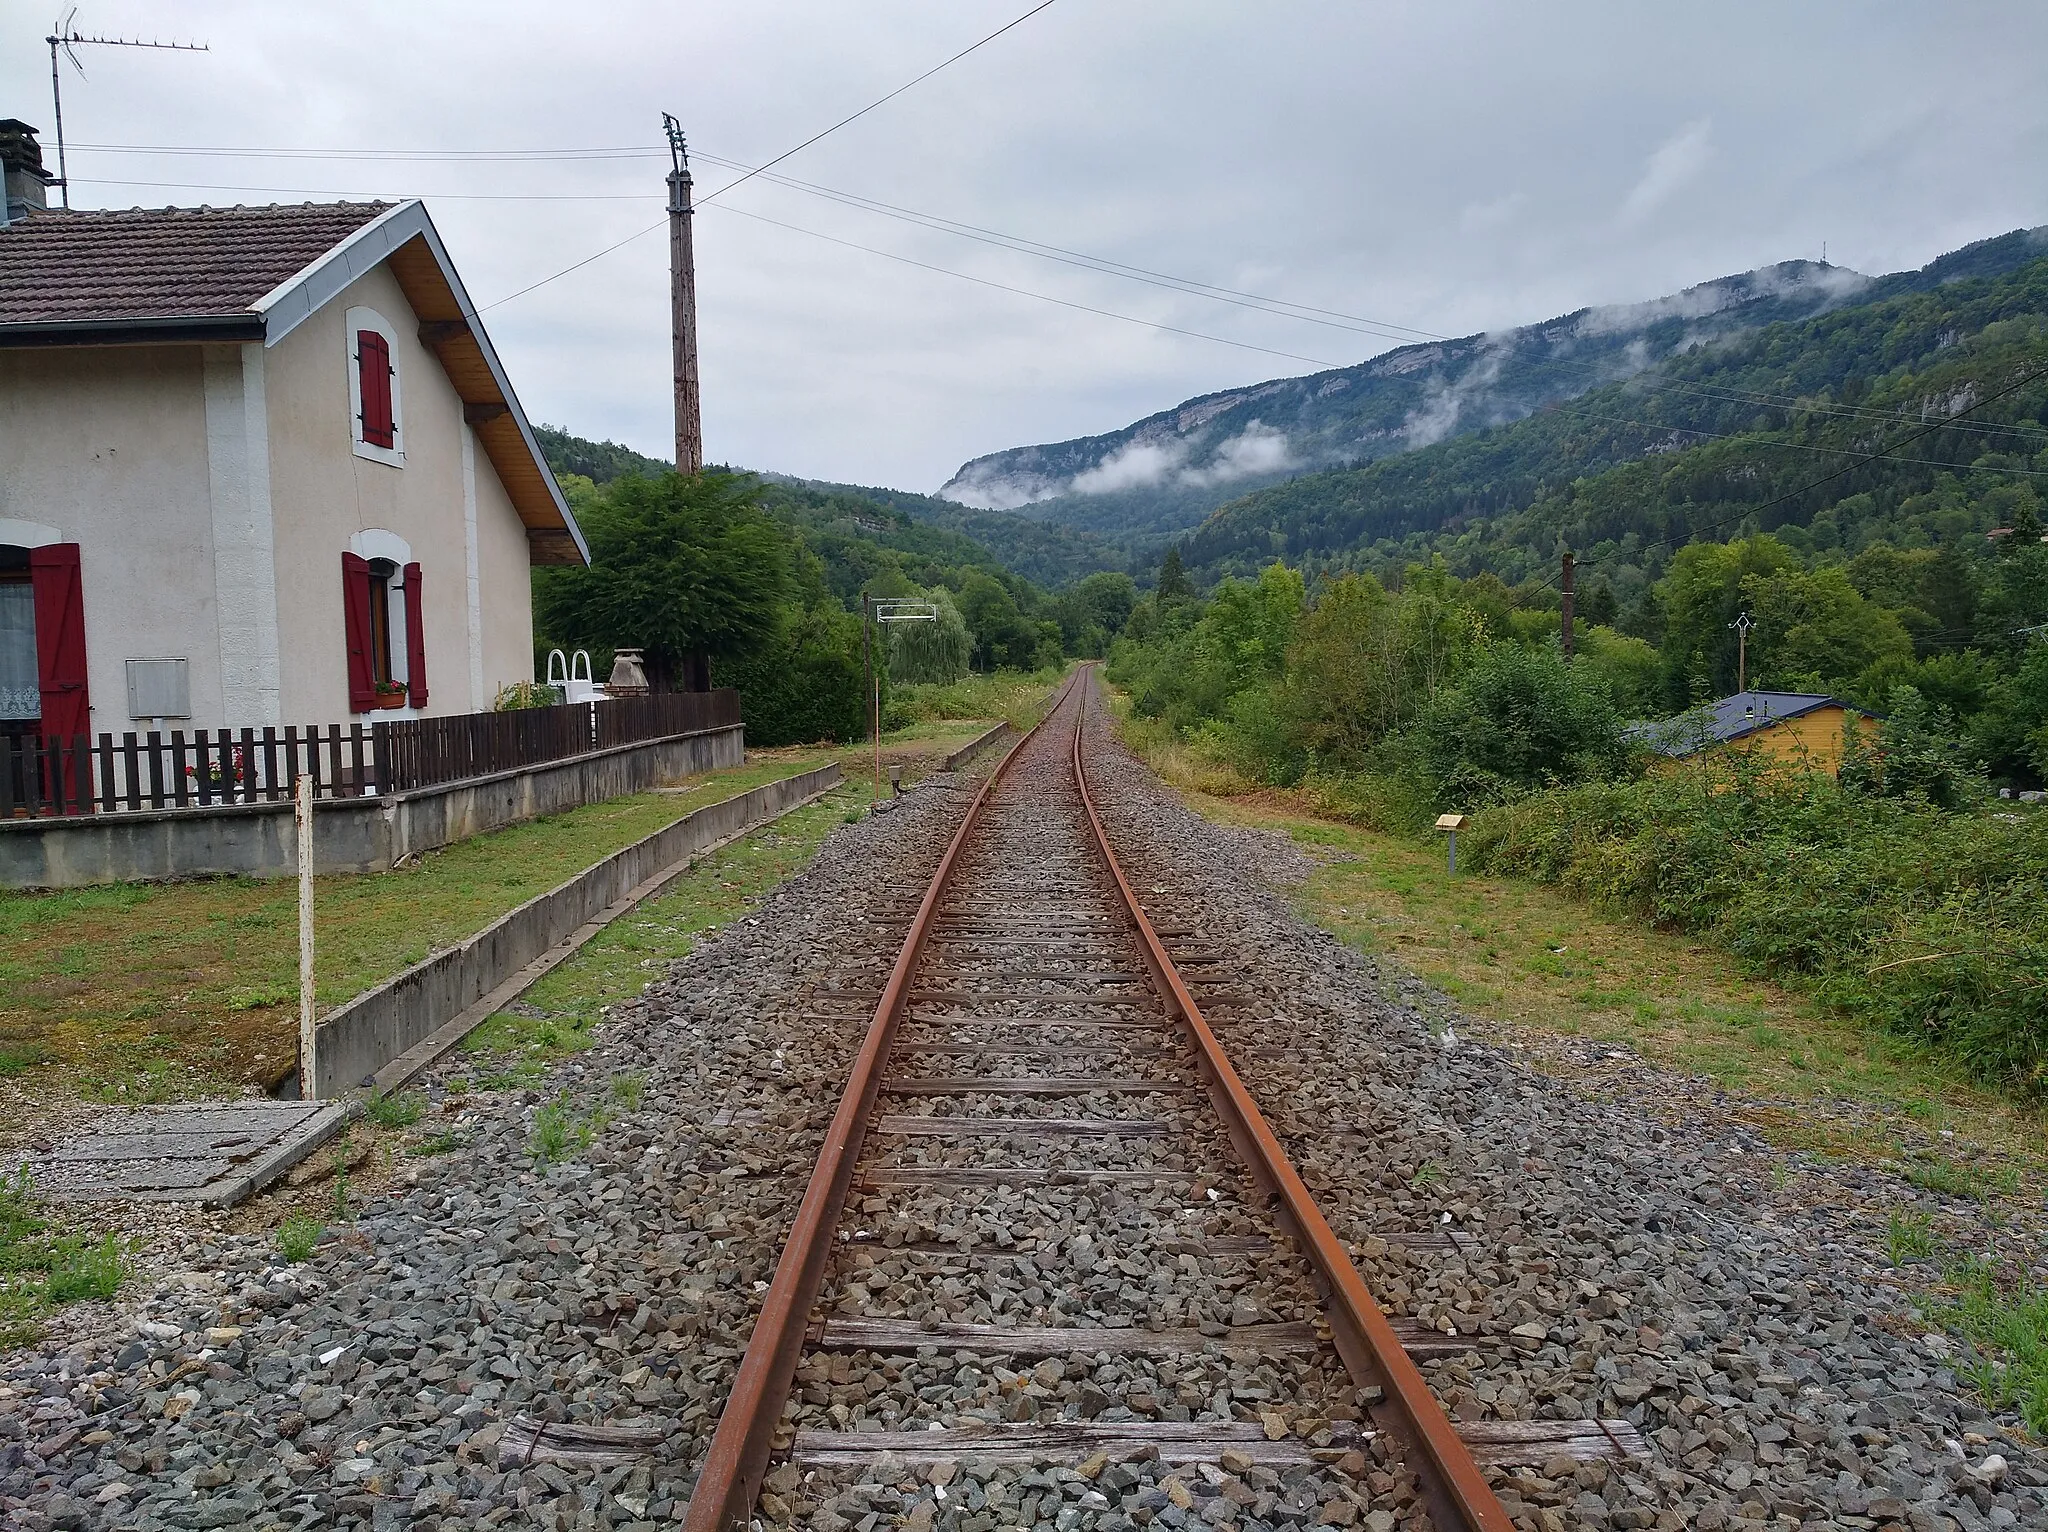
{"x": 21, "y": 163}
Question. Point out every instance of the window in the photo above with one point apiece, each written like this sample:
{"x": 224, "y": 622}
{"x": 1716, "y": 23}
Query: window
{"x": 42, "y": 641}
{"x": 21, "y": 698}
{"x": 373, "y": 387}
{"x": 376, "y": 416}
{"x": 385, "y": 622}
{"x": 381, "y": 573}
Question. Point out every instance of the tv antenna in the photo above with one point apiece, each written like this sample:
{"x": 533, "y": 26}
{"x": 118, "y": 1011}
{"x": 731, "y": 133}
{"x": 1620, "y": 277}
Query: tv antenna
{"x": 67, "y": 39}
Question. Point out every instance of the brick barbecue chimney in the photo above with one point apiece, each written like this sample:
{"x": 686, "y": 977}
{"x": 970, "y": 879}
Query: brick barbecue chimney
{"x": 21, "y": 163}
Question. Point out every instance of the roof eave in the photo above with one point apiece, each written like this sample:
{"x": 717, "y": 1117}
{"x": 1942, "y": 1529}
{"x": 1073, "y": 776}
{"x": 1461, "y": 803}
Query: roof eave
{"x": 164, "y": 330}
{"x": 297, "y": 298}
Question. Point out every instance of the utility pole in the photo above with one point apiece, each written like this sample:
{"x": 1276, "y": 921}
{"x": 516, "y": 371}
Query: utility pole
{"x": 1565, "y": 586}
{"x": 67, "y": 39}
{"x": 682, "y": 298}
{"x": 1742, "y": 624}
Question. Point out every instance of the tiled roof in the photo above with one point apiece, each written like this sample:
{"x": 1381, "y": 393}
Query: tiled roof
{"x": 80, "y": 267}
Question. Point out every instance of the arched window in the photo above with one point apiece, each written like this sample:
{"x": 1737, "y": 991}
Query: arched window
{"x": 386, "y": 623}
{"x": 376, "y": 422}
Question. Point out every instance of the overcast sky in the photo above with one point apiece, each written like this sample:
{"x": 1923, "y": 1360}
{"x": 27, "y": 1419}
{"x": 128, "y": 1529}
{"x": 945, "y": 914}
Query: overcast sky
{"x": 1445, "y": 167}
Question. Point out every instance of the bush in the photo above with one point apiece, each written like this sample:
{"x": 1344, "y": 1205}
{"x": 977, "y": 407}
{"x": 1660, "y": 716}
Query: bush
{"x": 1519, "y": 719}
{"x": 806, "y": 684}
{"x": 1925, "y": 921}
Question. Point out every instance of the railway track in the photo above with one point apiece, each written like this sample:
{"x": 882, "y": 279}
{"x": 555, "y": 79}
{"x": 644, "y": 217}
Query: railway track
{"x": 1050, "y": 1226}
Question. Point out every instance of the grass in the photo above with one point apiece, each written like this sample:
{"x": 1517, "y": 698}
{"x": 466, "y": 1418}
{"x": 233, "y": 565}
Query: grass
{"x": 41, "y": 1270}
{"x": 298, "y": 1237}
{"x": 153, "y": 992}
{"x": 1909, "y": 1236}
{"x": 560, "y": 1014}
{"x": 2004, "y": 1315}
{"x": 400, "y": 1111}
{"x": 1016, "y": 696}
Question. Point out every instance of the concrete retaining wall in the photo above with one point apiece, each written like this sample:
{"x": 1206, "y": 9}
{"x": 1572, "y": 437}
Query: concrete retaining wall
{"x": 349, "y": 834}
{"x": 975, "y": 746}
{"x": 362, "y": 1036}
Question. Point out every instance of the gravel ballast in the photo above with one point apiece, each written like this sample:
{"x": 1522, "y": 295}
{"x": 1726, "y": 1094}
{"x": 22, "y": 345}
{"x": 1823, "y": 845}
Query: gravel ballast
{"x": 1605, "y": 1261}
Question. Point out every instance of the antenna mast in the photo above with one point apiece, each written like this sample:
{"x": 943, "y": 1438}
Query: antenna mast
{"x": 66, "y": 39}
{"x": 682, "y": 297}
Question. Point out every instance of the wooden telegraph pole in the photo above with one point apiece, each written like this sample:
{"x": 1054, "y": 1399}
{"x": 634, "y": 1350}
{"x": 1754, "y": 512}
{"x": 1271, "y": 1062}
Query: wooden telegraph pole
{"x": 1565, "y": 587}
{"x": 682, "y": 297}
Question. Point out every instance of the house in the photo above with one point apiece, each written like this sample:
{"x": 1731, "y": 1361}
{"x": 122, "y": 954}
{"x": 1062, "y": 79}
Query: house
{"x": 258, "y": 466}
{"x": 1799, "y": 728}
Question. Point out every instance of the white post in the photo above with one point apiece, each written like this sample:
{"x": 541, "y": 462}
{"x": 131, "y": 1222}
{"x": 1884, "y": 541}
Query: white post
{"x": 303, "y": 799}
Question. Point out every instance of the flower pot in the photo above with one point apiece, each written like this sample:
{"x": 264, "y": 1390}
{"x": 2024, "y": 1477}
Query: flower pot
{"x": 387, "y": 700}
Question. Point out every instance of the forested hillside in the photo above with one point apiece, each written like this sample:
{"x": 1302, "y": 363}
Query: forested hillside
{"x": 1722, "y": 439}
{"x": 1046, "y": 555}
{"x": 763, "y": 578}
{"x": 1139, "y": 485}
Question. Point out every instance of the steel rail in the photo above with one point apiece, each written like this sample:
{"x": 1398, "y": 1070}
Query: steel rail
{"x": 1458, "y": 1492}
{"x": 740, "y": 1447}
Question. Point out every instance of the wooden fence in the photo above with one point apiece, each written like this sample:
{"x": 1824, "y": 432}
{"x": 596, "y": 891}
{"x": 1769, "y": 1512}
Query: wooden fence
{"x": 82, "y": 774}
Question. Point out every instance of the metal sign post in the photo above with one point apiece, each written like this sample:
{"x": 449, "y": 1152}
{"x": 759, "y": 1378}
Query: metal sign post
{"x": 1451, "y": 824}
{"x": 885, "y": 609}
{"x": 303, "y": 812}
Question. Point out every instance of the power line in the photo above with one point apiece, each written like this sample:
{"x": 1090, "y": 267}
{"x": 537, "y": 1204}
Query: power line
{"x": 1763, "y": 441}
{"x": 326, "y": 191}
{"x": 1026, "y": 292}
{"x": 899, "y": 90}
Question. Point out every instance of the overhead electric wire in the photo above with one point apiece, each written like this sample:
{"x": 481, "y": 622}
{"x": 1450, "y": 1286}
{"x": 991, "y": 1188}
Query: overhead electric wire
{"x": 899, "y": 90}
{"x": 321, "y": 191}
{"x": 642, "y": 233}
{"x": 1258, "y": 303}
{"x": 1763, "y": 441}
{"x": 1026, "y": 292}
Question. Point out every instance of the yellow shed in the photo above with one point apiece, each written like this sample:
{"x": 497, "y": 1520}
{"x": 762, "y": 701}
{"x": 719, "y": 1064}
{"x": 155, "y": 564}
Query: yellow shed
{"x": 1798, "y": 728}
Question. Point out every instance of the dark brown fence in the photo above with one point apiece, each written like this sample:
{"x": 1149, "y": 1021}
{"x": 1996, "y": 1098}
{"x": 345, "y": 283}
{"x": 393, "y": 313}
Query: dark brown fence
{"x": 84, "y": 774}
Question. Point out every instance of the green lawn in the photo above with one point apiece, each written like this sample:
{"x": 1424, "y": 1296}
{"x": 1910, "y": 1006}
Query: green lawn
{"x": 145, "y": 991}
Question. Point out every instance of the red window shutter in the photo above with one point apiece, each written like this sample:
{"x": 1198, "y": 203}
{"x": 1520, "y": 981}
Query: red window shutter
{"x": 373, "y": 377}
{"x": 60, "y": 640}
{"x": 415, "y": 640}
{"x": 355, "y": 613}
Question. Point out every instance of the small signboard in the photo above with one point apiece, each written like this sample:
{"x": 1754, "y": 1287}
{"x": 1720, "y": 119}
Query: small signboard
{"x": 1452, "y": 822}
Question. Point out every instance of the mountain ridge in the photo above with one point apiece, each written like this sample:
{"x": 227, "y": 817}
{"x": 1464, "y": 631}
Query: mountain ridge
{"x": 1146, "y": 482}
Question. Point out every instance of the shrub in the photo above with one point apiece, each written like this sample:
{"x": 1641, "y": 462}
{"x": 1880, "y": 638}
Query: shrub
{"x": 1519, "y": 719}
{"x": 1925, "y": 921}
{"x": 806, "y": 683}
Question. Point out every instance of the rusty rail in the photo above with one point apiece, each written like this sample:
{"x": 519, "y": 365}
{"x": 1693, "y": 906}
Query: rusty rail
{"x": 1458, "y": 1492}
{"x": 740, "y": 1447}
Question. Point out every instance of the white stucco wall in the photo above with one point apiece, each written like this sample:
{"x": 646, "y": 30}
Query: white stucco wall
{"x": 109, "y": 445}
{"x": 329, "y": 493}
{"x": 213, "y": 490}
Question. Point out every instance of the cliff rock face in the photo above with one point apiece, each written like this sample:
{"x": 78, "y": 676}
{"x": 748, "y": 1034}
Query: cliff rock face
{"x": 1170, "y": 470}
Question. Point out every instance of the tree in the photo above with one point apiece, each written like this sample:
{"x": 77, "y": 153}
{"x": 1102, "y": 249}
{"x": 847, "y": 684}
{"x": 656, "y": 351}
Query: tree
{"x": 1002, "y": 637}
{"x": 1173, "y": 580}
{"x": 1598, "y": 606}
{"x": 1519, "y": 719}
{"x": 935, "y": 651}
{"x": 679, "y": 566}
{"x": 805, "y": 681}
{"x": 1094, "y": 612}
{"x": 1813, "y": 628}
{"x": 1344, "y": 682}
